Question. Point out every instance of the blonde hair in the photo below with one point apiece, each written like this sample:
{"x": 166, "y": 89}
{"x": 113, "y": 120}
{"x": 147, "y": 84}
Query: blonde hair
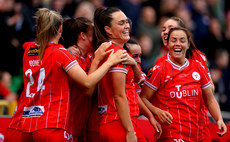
{"x": 48, "y": 23}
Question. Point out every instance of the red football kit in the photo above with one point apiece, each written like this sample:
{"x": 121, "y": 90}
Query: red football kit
{"x": 107, "y": 107}
{"x": 80, "y": 104}
{"x": 198, "y": 56}
{"x": 4, "y": 91}
{"x": 138, "y": 86}
{"x": 179, "y": 91}
{"x": 45, "y": 101}
{"x": 106, "y": 103}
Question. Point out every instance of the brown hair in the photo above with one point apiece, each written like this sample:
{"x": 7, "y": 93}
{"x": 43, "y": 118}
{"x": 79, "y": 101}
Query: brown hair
{"x": 72, "y": 29}
{"x": 192, "y": 46}
{"x": 102, "y": 18}
{"x": 130, "y": 41}
{"x": 179, "y": 21}
{"x": 48, "y": 22}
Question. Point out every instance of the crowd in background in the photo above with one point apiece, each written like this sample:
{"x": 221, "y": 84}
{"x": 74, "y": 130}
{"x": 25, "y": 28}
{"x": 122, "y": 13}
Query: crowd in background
{"x": 208, "y": 20}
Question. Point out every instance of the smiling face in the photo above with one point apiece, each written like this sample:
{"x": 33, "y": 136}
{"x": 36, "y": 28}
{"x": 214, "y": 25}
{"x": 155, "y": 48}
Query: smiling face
{"x": 120, "y": 28}
{"x": 178, "y": 45}
{"x": 169, "y": 24}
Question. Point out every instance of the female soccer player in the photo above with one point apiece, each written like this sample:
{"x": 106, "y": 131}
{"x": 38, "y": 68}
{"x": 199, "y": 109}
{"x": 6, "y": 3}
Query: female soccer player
{"x": 134, "y": 49}
{"x": 195, "y": 54}
{"x": 178, "y": 85}
{"x": 117, "y": 98}
{"x": 43, "y": 110}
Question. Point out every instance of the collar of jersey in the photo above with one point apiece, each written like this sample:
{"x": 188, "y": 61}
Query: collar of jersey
{"x": 176, "y": 66}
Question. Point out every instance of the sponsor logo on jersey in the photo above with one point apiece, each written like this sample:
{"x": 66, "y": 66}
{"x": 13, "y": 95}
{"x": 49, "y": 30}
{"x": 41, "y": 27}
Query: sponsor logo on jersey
{"x": 196, "y": 76}
{"x": 33, "y": 111}
{"x": 33, "y": 51}
{"x": 179, "y": 93}
{"x": 102, "y": 109}
{"x": 149, "y": 75}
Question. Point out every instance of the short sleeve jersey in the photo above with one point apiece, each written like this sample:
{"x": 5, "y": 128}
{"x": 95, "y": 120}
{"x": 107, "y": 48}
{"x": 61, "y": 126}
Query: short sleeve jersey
{"x": 80, "y": 104}
{"x": 179, "y": 91}
{"x": 45, "y": 101}
{"x": 200, "y": 57}
{"x": 106, "y": 102}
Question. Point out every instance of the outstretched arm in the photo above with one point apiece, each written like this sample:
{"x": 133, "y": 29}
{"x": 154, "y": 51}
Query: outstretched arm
{"x": 87, "y": 82}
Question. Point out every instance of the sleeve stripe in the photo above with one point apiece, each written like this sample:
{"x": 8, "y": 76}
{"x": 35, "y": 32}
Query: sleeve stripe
{"x": 70, "y": 65}
{"x": 150, "y": 85}
{"x": 206, "y": 85}
{"x": 118, "y": 69}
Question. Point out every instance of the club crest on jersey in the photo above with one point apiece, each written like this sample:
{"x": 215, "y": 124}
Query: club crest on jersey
{"x": 196, "y": 76}
{"x": 33, "y": 51}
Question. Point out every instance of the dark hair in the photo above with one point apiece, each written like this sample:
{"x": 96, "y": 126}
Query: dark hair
{"x": 130, "y": 41}
{"x": 72, "y": 29}
{"x": 192, "y": 46}
{"x": 102, "y": 18}
{"x": 179, "y": 21}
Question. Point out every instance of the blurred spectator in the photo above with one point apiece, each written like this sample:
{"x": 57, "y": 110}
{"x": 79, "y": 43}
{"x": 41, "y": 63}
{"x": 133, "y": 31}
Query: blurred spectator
{"x": 168, "y": 7}
{"x": 5, "y": 83}
{"x": 227, "y": 32}
{"x": 85, "y": 9}
{"x": 216, "y": 8}
{"x": 98, "y": 3}
{"x": 186, "y": 16}
{"x": 147, "y": 26}
{"x": 14, "y": 31}
{"x": 59, "y": 6}
{"x": 213, "y": 40}
{"x": 147, "y": 58}
{"x": 29, "y": 7}
{"x": 220, "y": 73}
{"x": 200, "y": 16}
{"x": 132, "y": 9}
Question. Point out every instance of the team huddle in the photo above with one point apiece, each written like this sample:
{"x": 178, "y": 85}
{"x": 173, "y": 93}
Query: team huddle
{"x": 83, "y": 82}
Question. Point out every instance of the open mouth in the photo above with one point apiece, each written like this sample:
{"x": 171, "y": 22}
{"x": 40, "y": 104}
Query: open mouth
{"x": 178, "y": 50}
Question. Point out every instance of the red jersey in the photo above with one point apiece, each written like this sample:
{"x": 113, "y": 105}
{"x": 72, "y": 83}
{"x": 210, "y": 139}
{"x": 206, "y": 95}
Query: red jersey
{"x": 45, "y": 100}
{"x": 200, "y": 57}
{"x": 80, "y": 104}
{"x": 106, "y": 102}
{"x": 4, "y": 91}
{"x": 196, "y": 55}
{"x": 179, "y": 91}
{"x": 138, "y": 86}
